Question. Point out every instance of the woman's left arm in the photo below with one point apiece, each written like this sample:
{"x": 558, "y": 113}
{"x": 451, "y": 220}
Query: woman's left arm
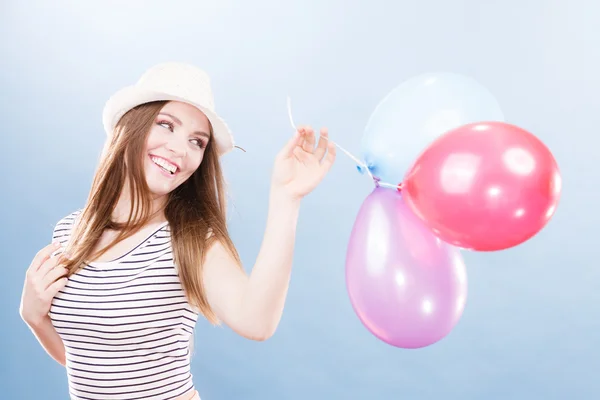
{"x": 252, "y": 305}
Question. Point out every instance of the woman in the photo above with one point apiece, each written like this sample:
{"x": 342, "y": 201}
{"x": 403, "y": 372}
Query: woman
{"x": 150, "y": 250}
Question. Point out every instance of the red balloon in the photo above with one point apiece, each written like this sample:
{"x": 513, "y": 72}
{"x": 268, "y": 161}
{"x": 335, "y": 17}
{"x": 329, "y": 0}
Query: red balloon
{"x": 485, "y": 186}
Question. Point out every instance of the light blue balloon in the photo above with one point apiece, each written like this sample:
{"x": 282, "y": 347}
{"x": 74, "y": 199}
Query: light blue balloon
{"x": 417, "y": 112}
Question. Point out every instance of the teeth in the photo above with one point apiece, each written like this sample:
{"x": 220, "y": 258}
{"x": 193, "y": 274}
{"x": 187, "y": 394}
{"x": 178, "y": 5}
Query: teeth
{"x": 164, "y": 164}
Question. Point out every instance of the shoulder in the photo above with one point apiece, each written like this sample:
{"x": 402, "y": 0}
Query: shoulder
{"x": 64, "y": 226}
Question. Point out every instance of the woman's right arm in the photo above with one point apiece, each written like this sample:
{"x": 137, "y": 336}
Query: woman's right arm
{"x": 44, "y": 278}
{"x": 48, "y": 337}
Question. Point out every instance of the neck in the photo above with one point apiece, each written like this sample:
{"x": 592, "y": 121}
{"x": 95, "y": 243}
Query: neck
{"x": 122, "y": 209}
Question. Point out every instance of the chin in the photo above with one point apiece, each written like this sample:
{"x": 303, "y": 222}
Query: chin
{"x": 158, "y": 190}
{"x": 159, "y": 186}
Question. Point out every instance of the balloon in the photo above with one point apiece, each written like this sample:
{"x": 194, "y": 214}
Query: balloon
{"x": 486, "y": 186}
{"x": 415, "y": 113}
{"x": 407, "y": 287}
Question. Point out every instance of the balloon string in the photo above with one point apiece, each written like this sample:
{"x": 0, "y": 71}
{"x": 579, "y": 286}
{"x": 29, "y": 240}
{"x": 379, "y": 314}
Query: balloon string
{"x": 354, "y": 158}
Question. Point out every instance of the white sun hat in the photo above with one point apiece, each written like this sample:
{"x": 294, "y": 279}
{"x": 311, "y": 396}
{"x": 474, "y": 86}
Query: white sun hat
{"x": 170, "y": 81}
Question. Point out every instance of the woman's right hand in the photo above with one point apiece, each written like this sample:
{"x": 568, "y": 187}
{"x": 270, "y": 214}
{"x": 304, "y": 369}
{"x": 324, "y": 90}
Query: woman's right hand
{"x": 44, "y": 278}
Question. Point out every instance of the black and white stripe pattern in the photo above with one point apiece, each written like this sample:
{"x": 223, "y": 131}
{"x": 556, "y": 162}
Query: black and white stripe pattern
{"x": 126, "y": 324}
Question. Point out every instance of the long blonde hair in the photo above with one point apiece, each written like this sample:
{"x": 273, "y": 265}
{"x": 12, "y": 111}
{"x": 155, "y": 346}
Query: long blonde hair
{"x": 192, "y": 210}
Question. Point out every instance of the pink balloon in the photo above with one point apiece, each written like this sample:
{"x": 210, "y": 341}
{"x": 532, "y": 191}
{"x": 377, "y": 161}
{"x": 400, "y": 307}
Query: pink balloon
{"x": 407, "y": 287}
{"x": 485, "y": 186}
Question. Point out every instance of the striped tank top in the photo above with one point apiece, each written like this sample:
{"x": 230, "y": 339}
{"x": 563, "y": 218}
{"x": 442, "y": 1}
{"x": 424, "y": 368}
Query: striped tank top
{"x": 126, "y": 324}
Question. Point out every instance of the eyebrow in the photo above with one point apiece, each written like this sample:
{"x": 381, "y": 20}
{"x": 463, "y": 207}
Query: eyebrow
{"x": 178, "y": 122}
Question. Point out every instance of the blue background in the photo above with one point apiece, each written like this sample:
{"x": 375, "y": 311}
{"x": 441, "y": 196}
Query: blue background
{"x": 531, "y": 327}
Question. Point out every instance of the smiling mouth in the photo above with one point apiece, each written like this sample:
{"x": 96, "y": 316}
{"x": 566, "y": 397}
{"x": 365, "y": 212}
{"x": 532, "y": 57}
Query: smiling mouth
{"x": 164, "y": 165}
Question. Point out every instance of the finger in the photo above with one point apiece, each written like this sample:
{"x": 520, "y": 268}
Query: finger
{"x": 55, "y": 287}
{"x": 329, "y": 159}
{"x": 52, "y": 276}
{"x": 302, "y": 155}
{"x": 42, "y": 256}
{"x": 302, "y": 130}
{"x": 309, "y": 140}
{"x": 322, "y": 146}
{"x": 57, "y": 252}
{"x": 295, "y": 140}
{"x": 47, "y": 266}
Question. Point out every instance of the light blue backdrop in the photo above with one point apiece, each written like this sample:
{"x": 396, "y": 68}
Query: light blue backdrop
{"x": 531, "y": 327}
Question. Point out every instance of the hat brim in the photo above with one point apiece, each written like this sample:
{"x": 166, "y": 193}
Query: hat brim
{"x": 132, "y": 96}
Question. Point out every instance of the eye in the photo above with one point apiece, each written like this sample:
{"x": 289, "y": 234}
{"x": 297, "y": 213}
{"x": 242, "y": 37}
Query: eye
{"x": 198, "y": 142}
{"x": 166, "y": 124}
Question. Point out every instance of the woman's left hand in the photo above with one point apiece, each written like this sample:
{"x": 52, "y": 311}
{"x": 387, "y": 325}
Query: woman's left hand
{"x": 300, "y": 166}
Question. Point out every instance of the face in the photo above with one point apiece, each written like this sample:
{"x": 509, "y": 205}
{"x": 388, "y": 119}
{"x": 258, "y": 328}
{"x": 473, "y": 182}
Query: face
{"x": 175, "y": 146}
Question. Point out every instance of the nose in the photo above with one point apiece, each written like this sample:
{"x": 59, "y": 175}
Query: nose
{"x": 177, "y": 146}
